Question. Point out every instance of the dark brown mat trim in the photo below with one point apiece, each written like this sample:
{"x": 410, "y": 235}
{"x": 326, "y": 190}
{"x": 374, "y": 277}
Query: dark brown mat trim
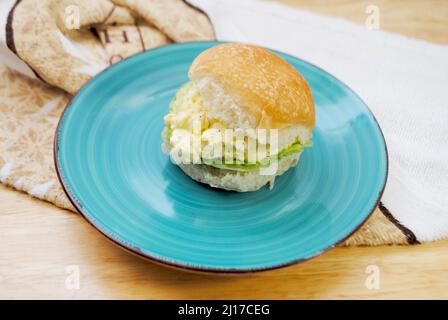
{"x": 9, "y": 32}
{"x": 410, "y": 236}
{"x": 10, "y": 37}
{"x": 204, "y": 13}
{"x": 109, "y": 14}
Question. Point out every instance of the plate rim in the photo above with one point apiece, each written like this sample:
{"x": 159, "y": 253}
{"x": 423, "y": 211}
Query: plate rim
{"x": 188, "y": 267}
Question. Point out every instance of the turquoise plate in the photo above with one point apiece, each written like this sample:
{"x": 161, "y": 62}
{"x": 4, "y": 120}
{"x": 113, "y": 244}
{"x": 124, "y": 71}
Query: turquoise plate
{"x": 110, "y": 163}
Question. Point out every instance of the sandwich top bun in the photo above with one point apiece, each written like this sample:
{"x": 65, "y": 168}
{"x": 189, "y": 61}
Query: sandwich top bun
{"x": 249, "y": 87}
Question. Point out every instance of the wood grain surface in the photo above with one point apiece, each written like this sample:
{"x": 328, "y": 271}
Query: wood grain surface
{"x": 43, "y": 248}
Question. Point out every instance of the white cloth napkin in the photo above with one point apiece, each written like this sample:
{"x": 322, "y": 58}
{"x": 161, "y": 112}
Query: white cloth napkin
{"x": 404, "y": 82}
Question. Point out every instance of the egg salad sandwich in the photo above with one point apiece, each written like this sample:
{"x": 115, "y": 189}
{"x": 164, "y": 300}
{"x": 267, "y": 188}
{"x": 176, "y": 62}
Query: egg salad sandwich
{"x": 244, "y": 118}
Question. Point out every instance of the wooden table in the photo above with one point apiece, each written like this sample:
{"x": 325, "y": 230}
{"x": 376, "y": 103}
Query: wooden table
{"x": 43, "y": 249}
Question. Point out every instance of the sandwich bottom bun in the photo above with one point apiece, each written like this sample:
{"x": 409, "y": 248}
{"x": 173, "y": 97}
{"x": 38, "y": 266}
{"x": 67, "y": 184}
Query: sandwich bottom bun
{"x": 237, "y": 180}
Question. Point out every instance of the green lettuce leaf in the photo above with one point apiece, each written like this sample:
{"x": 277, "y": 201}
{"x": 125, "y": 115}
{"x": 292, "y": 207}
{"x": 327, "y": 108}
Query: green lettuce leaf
{"x": 290, "y": 150}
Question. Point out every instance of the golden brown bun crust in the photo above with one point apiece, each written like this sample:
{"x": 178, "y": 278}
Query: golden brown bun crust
{"x": 262, "y": 83}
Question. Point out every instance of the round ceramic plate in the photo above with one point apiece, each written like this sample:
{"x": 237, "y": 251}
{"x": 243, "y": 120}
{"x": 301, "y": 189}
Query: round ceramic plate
{"x": 111, "y": 166}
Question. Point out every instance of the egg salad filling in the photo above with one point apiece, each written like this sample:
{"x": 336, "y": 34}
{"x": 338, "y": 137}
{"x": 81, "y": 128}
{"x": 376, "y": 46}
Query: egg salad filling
{"x": 205, "y": 140}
